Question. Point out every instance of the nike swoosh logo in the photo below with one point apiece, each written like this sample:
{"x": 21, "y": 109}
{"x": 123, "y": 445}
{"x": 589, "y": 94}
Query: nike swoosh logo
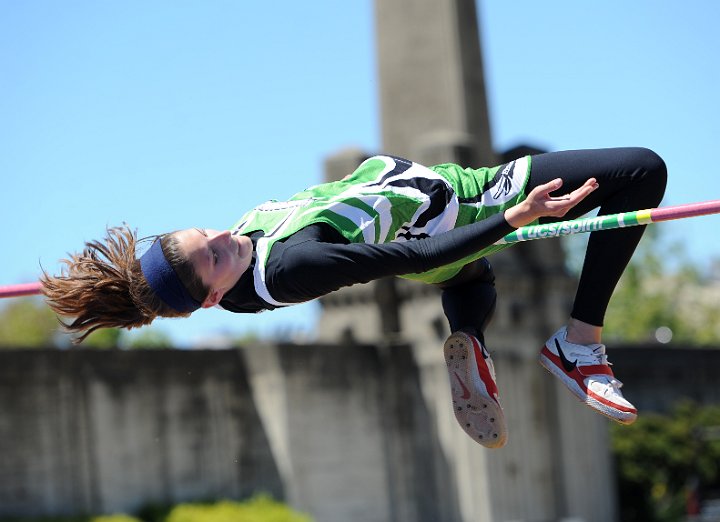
{"x": 466, "y": 392}
{"x": 569, "y": 366}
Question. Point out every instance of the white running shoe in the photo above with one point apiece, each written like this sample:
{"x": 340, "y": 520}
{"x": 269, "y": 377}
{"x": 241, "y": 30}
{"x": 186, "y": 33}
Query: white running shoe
{"x": 474, "y": 390}
{"x": 586, "y": 372}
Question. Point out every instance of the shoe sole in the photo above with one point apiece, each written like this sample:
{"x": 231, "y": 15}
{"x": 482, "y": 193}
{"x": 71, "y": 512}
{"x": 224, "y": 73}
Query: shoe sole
{"x": 478, "y": 414}
{"x": 623, "y": 417}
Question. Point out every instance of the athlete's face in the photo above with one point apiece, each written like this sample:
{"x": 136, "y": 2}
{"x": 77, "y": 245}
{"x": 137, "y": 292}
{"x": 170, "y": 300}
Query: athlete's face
{"x": 218, "y": 257}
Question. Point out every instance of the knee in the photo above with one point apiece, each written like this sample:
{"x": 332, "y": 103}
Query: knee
{"x": 489, "y": 272}
{"x": 653, "y": 169}
{"x": 483, "y": 272}
{"x": 652, "y": 162}
{"x": 478, "y": 270}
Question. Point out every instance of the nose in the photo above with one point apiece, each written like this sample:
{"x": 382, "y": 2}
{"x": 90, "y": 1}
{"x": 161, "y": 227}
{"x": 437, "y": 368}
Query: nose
{"x": 222, "y": 238}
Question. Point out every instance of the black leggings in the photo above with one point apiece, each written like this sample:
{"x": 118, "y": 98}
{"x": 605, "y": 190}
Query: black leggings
{"x": 629, "y": 179}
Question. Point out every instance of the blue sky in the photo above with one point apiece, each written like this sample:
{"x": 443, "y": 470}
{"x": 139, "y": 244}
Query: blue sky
{"x": 171, "y": 114}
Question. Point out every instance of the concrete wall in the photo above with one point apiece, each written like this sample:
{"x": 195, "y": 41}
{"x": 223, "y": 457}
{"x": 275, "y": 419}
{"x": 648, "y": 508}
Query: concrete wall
{"x": 657, "y": 377}
{"x": 342, "y": 435}
{"x": 351, "y": 433}
{"x": 89, "y": 432}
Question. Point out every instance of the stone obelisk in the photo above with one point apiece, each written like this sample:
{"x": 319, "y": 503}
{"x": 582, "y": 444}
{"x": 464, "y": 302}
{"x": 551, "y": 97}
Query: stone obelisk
{"x": 432, "y": 93}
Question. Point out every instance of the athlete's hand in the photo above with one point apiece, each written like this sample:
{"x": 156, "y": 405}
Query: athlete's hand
{"x": 540, "y": 203}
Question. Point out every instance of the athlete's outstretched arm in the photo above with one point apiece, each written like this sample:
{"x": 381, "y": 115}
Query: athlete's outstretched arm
{"x": 312, "y": 268}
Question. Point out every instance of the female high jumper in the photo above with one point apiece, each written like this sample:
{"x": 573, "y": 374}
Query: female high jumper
{"x": 391, "y": 217}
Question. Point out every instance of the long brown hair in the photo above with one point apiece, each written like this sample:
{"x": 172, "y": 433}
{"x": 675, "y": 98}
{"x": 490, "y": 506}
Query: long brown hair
{"x": 103, "y": 286}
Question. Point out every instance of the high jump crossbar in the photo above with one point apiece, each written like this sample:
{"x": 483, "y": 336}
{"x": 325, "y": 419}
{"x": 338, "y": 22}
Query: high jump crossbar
{"x": 611, "y": 221}
{"x": 20, "y": 290}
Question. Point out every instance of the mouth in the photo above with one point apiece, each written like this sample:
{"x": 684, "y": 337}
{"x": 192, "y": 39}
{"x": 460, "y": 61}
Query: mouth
{"x": 241, "y": 248}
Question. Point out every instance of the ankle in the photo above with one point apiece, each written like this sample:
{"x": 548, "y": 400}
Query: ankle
{"x": 474, "y": 332}
{"x": 579, "y": 332}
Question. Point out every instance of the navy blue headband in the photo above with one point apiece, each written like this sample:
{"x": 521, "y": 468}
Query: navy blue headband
{"x": 164, "y": 281}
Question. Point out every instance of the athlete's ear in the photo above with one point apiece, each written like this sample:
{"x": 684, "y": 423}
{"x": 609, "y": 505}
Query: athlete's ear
{"x": 213, "y": 298}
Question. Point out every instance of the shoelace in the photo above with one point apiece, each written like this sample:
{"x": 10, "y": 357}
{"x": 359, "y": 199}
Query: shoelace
{"x": 613, "y": 385}
{"x": 598, "y": 356}
{"x": 616, "y": 384}
{"x": 589, "y": 356}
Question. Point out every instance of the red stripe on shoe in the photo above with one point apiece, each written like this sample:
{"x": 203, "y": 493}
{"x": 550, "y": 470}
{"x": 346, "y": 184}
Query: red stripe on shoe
{"x": 606, "y": 402}
{"x": 483, "y": 369}
{"x": 579, "y": 378}
{"x": 595, "y": 369}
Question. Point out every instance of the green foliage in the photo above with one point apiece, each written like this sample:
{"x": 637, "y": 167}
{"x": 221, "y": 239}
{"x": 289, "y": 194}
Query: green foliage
{"x": 260, "y": 508}
{"x": 660, "y": 455}
{"x": 104, "y": 338}
{"x": 149, "y": 338}
{"x": 661, "y": 288}
{"x": 154, "y": 512}
{"x": 248, "y": 338}
{"x": 28, "y": 323}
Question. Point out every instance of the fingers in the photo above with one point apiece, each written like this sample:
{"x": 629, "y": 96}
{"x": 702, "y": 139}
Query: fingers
{"x": 551, "y": 186}
{"x": 546, "y": 188}
{"x": 540, "y": 203}
{"x": 582, "y": 192}
{"x": 559, "y": 205}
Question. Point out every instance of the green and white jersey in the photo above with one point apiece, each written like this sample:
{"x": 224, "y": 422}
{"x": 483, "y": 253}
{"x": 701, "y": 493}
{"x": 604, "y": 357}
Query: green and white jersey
{"x": 390, "y": 199}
